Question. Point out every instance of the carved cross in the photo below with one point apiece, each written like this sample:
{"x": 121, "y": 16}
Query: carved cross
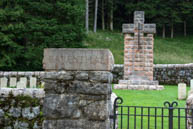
{"x": 138, "y": 28}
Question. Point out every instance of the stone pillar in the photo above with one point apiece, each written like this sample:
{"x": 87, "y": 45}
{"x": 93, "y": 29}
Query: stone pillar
{"x": 189, "y": 105}
{"x": 77, "y": 96}
{"x": 138, "y": 55}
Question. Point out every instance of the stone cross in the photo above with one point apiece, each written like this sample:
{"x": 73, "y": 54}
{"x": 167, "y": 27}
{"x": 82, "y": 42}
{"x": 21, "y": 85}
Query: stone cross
{"x": 138, "y": 28}
{"x": 138, "y": 56}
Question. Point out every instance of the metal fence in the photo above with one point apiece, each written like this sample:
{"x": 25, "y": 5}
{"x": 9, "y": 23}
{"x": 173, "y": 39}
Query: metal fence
{"x": 143, "y": 117}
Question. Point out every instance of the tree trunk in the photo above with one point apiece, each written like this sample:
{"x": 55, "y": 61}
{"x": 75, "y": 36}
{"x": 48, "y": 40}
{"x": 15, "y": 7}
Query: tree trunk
{"x": 111, "y": 16}
{"x": 95, "y": 17}
{"x": 164, "y": 31}
{"x": 172, "y": 31}
{"x": 185, "y": 33}
{"x": 103, "y": 16}
{"x": 87, "y": 16}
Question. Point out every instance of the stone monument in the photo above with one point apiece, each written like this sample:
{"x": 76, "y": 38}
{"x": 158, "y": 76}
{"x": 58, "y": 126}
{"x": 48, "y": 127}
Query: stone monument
{"x": 77, "y": 88}
{"x": 181, "y": 91}
{"x": 138, "y": 55}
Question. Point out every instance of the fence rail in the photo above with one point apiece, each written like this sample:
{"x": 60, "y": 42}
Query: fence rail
{"x": 141, "y": 117}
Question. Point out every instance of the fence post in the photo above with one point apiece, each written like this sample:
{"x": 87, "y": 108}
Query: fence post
{"x": 171, "y": 109}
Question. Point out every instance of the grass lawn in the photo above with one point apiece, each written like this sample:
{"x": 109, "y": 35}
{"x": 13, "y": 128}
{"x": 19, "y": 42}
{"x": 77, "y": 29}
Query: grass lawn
{"x": 166, "y": 51}
{"x": 150, "y": 98}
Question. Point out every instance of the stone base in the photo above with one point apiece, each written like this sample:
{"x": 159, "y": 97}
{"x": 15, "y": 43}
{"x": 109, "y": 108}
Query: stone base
{"x": 138, "y": 85}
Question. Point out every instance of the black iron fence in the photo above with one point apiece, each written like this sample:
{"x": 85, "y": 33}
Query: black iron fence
{"x": 139, "y": 117}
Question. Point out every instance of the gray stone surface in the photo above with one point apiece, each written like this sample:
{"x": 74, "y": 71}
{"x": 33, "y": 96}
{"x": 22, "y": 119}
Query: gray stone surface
{"x": 78, "y": 100}
{"x": 1, "y": 113}
{"x": 36, "y": 93}
{"x": 20, "y": 112}
{"x": 16, "y": 112}
{"x": 61, "y": 106}
{"x": 21, "y": 125}
{"x": 78, "y": 59}
{"x": 189, "y": 105}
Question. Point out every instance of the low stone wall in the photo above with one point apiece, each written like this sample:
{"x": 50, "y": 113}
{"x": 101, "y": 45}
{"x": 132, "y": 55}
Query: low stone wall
{"x": 166, "y": 74}
{"x": 21, "y": 108}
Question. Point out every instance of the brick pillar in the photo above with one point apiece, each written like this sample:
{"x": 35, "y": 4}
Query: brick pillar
{"x": 77, "y": 98}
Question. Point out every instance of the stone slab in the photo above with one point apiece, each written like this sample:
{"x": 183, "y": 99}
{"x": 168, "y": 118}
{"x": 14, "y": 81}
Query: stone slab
{"x": 22, "y": 83}
{"x": 33, "y": 82}
{"x": 138, "y": 87}
{"x": 78, "y": 59}
{"x": 191, "y": 84}
{"x": 13, "y": 81}
{"x": 181, "y": 91}
{"x": 138, "y": 82}
{"x": 3, "y": 81}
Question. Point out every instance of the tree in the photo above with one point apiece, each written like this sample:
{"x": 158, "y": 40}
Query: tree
{"x": 103, "y": 14}
{"x": 87, "y": 16}
{"x": 111, "y": 15}
{"x": 95, "y": 16}
{"x": 185, "y": 8}
{"x": 29, "y": 26}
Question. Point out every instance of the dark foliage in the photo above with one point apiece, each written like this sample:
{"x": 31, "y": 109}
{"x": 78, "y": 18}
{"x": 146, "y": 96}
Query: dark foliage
{"x": 29, "y": 26}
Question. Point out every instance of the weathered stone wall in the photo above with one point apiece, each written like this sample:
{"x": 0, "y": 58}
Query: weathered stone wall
{"x": 164, "y": 73}
{"x": 189, "y": 105}
{"x": 21, "y": 108}
{"x": 77, "y": 100}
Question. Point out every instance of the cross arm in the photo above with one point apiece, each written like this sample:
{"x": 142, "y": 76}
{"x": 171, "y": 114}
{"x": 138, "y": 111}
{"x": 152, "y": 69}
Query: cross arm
{"x": 128, "y": 28}
{"x": 149, "y": 28}
{"x": 146, "y": 28}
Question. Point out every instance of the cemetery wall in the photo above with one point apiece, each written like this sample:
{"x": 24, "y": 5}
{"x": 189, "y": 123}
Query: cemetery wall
{"x": 164, "y": 73}
{"x": 21, "y": 108}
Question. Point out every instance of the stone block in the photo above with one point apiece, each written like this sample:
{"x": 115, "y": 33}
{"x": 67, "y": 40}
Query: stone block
{"x": 3, "y": 81}
{"x": 181, "y": 91}
{"x": 94, "y": 89}
{"x": 22, "y": 83}
{"x": 78, "y": 59}
{"x": 191, "y": 84}
{"x": 61, "y": 106}
{"x": 13, "y": 82}
{"x": 33, "y": 82}
{"x": 74, "y": 124}
{"x": 96, "y": 110}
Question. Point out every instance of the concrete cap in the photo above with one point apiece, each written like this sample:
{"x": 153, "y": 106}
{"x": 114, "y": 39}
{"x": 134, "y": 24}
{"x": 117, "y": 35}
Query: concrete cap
{"x": 78, "y": 59}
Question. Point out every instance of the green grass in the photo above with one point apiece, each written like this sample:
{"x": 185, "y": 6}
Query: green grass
{"x": 166, "y": 51}
{"x": 150, "y": 98}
